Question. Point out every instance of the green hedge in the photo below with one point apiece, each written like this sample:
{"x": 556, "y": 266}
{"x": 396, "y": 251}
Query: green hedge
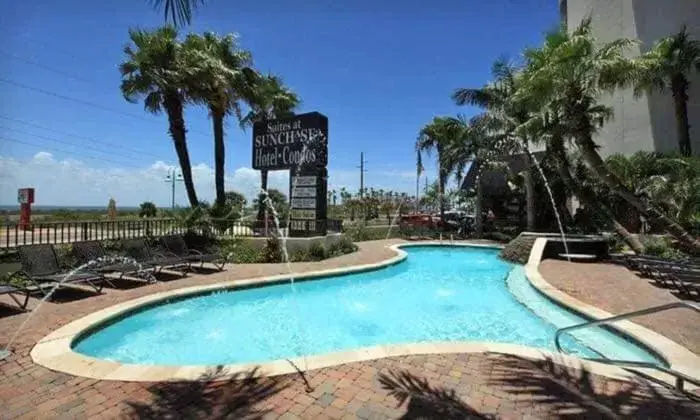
{"x": 245, "y": 252}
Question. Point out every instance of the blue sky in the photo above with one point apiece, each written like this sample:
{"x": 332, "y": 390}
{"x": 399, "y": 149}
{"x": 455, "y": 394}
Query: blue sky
{"x": 378, "y": 70}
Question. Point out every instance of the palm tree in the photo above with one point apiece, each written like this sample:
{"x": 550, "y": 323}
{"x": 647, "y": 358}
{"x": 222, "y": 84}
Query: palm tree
{"x": 438, "y": 135}
{"x": 269, "y": 99}
{"x": 153, "y": 70}
{"x": 220, "y": 76}
{"x": 570, "y": 73}
{"x": 506, "y": 114}
{"x": 179, "y": 11}
{"x": 667, "y": 66}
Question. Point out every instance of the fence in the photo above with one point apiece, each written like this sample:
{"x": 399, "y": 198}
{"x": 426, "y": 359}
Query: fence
{"x": 67, "y": 232}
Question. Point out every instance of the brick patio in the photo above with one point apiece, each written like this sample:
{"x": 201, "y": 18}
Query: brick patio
{"x": 432, "y": 386}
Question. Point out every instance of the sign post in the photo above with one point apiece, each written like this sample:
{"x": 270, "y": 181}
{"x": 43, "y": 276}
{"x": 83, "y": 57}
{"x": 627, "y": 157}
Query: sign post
{"x": 25, "y": 198}
{"x": 298, "y": 144}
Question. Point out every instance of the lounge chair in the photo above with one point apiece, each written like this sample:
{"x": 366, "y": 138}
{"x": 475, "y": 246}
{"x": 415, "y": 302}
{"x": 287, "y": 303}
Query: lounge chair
{"x": 686, "y": 282}
{"x": 665, "y": 275}
{"x": 88, "y": 251}
{"x": 12, "y": 291}
{"x": 177, "y": 245}
{"x": 638, "y": 262}
{"x": 41, "y": 268}
{"x": 650, "y": 268}
{"x": 139, "y": 250}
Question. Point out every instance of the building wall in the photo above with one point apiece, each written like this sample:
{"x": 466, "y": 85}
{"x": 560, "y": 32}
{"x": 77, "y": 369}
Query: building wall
{"x": 647, "y": 123}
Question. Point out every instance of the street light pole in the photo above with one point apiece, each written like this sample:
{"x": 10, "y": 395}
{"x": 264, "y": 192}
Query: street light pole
{"x": 173, "y": 177}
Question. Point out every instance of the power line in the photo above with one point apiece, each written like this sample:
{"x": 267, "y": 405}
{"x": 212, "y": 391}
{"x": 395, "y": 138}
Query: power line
{"x": 92, "y": 139}
{"x": 86, "y": 146}
{"x": 81, "y": 101}
{"x": 68, "y": 98}
{"x": 102, "y": 159}
{"x": 42, "y": 44}
{"x": 45, "y": 67}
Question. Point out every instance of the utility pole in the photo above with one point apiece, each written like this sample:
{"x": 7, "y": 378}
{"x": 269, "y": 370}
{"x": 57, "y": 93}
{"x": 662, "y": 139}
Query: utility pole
{"x": 172, "y": 178}
{"x": 362, "y": 174}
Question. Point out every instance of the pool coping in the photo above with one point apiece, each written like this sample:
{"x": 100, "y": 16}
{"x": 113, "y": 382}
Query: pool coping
{"x": 54, "y": 351}
{"x": 675, "y": 355}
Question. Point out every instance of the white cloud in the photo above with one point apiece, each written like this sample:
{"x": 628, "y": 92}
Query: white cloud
{"x": 73, "y": 182}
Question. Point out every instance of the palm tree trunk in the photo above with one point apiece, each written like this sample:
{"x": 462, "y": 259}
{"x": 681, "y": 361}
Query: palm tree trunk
{"x": 529, "y": 194}
{"x": 217, "y": 118}
{"x": 588, "y": 198}
{"x": 442, "y": 179}
{"x": 478, "y": 206}
{"x": 593, "y": 159}
{"x": 177, "y": 130}
{"x": 679, "y": 87}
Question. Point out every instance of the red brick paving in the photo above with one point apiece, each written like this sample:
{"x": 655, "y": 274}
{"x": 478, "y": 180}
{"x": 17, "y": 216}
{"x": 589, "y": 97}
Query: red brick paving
{"x": 433, "y": 386}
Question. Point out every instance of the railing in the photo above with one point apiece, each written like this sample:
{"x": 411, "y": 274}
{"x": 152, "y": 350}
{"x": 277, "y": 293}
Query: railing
{"x": 12, "y": 235}
{"x": 680, "y": 377}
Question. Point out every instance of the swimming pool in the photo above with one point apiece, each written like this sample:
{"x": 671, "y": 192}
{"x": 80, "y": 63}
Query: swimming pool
{"x": 436, "y": 294}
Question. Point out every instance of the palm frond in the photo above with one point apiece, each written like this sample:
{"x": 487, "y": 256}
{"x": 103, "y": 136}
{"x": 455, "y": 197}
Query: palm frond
{"x": 177, "y": 11}
{"x": 476, "y": 97}
{"x": 440, "y": 402}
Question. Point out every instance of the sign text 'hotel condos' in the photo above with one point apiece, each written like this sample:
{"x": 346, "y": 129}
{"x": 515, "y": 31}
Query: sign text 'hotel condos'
{"x": 285, "y": 144}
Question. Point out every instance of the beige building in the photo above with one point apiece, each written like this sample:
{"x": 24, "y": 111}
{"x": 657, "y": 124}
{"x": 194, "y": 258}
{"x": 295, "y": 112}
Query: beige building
{"x": 647, "y": 123}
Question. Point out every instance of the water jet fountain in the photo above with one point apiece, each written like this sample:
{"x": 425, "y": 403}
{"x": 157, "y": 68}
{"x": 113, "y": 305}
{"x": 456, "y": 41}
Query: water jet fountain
{"x": 96, "y": 263}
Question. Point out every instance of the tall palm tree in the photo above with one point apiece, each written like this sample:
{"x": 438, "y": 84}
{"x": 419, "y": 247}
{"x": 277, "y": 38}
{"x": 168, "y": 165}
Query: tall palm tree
{"x": 220, "y": 77}
{"x": 547, "y": 127}
{"x": 153, "y": 71}
{"x": 570, "y": 74}
{"x": 499, "y": 99}
{"x": 269, "y": 99}
{"x": 179, "y": 11}
{"x": 437, "y": 136}
{"x": 667, "y": 66}
{"x": 479, "y": 143}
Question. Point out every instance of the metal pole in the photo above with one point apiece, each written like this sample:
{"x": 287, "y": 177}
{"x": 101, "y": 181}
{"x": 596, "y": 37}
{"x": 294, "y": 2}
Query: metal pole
{"x": 362, "y": 174}
{"x": 172, "y": 201}
{"x": 417, "y": 190}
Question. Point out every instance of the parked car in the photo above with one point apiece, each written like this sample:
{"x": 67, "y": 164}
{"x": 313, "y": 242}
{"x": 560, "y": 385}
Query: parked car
{"x": 419, "y": 220}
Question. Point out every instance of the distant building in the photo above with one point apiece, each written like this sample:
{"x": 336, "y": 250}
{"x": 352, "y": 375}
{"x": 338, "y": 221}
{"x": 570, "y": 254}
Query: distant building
{"x": 647, "y": 123}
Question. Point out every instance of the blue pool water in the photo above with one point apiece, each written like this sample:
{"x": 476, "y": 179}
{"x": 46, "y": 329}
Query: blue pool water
{"x": 436, "y": 294}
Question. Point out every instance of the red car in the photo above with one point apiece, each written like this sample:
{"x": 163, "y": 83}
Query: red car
{"x": 420, "y": 220}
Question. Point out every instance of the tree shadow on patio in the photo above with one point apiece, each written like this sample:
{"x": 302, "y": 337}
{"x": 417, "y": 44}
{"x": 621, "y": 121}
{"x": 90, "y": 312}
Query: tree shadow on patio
{"x": 570, "y": 392}
{"x": 424, "y": 400}
{"x": 70, "y": 294}
{"x": 215, "y": 395}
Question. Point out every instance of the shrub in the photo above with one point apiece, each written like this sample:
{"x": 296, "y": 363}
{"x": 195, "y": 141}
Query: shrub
{"x": 241, "y": 251}
{"x": 662, "y": 247}
{"x": 317, "y": 251}
{"x": 272, "y": 252}
{"x": 346, "y": 246}
{"x": 518, "y": 250}
{"x": 148, "y": 209}
{"x": 200, "y": 241}
{"x": 300, "y": 255}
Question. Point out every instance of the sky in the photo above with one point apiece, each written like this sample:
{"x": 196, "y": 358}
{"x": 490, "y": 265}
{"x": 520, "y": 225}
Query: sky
{"x": 379, "y": 70}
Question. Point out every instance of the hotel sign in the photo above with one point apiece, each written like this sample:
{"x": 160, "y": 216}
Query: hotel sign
{"x": 307, "y": 189}
{"x": 289, "y": 143}
{"x": 300, "y": 145}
